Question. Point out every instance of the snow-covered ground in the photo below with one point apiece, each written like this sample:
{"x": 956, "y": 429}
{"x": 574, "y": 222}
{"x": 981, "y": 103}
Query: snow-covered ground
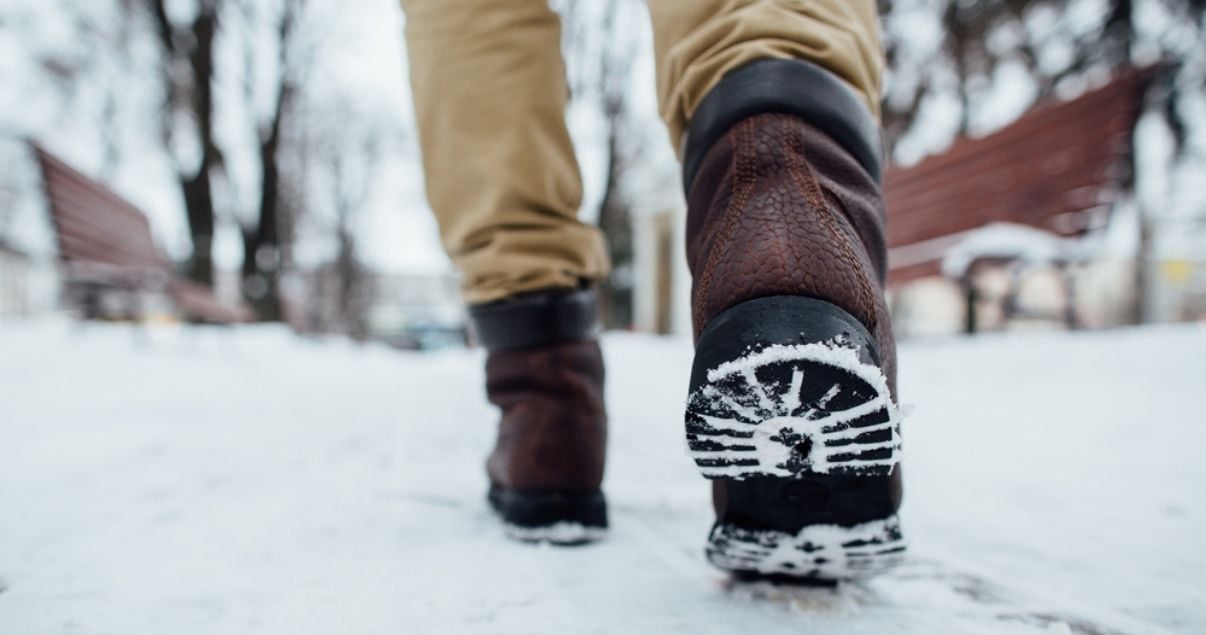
{"x": 212, "y": 483}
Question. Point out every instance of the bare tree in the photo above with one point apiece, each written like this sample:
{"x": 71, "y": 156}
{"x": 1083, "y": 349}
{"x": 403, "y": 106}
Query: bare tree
{"x": 190, "y": 74}
{"x": 601, "y": 51}
{"x": 353, "y": 170}
{"x": 187, "y": 74}
{"x": 968, "y": 27}
{"x": 266, "y": 237}
{"x": 351, "y": 150}
{"x": 10, "y": 193}
{"x": 83, "y": 67}
{"x": 615, "y": 214}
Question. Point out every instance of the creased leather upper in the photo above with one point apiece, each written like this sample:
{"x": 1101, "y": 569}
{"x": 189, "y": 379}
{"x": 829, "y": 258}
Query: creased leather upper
{"x": 553, "y": 432}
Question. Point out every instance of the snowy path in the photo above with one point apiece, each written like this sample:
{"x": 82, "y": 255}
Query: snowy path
{"x": 1054, "y": 484}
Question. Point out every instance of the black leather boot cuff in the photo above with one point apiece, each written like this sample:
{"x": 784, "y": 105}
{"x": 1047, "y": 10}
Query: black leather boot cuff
{"x": 794, "y": 87}
{"x": 536, "y": 319}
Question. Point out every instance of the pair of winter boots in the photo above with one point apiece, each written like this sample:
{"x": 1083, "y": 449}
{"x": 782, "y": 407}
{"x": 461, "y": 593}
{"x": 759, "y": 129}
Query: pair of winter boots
{"x": 791, "y": 410}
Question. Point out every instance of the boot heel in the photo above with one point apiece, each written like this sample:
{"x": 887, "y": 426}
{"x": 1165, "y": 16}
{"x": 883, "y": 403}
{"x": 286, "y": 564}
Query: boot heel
{"x": 787, "y": 385}
{"x": 560, "y": 518}
{"x": 789, "y": 408}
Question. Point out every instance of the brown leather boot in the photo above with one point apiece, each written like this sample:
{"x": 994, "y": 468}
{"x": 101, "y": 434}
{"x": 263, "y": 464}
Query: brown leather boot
{"x": 792, "y": 405}
{"x": 544, "y": 371}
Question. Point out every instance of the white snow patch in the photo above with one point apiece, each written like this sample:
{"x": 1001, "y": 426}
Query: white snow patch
{"x": 246, "y": 481}
{"x": 1010, "y": 241}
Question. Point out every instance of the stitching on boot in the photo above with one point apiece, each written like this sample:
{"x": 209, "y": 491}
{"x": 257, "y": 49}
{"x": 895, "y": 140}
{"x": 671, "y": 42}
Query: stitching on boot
{"x": 806, "y": 182}
{"x": 743, "y": 174}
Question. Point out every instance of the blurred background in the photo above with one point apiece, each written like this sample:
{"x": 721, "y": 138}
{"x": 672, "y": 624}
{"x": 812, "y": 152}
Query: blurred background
{"x": 1048, "y": 160}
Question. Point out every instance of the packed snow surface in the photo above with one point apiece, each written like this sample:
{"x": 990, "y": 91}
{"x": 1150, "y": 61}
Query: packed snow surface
{"x": 209, "y": 482}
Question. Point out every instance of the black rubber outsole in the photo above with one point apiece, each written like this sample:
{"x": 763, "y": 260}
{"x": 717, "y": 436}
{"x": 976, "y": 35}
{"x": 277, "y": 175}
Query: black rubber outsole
{"x": 788, "y": 504}
{"x": 788, "y": 409}
{"x": 844, "y": 527}
{"x": 557, "y": 517}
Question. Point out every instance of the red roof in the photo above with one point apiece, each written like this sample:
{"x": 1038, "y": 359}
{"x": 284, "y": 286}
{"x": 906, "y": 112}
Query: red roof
{"x": 1057, "y": 168}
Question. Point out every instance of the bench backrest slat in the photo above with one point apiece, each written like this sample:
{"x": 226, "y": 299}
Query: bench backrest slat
{"x": 106, "y": 241}
{"x": 93, "y": 224}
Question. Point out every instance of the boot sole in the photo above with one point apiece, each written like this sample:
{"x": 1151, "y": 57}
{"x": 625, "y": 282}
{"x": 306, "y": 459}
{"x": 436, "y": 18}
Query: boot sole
{"x": 566, "y": 518}
{"x": 789, "y": 407}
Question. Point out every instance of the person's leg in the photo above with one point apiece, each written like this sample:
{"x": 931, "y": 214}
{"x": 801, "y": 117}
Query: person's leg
{"x": 791, "y": 412}
{"x": 489, "y": 91}
{"x": 698, "y": 43}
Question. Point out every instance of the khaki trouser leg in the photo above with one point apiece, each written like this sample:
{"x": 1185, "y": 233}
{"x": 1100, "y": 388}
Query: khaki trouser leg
{"x": 490, "y": 94}
{"x": 698, "y": 41}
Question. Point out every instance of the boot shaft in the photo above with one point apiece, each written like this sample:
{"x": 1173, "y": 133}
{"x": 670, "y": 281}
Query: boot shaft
{"x": 544, "y": 371}
{"x": 552, "y": 434}
{"x": 778, "y": 207}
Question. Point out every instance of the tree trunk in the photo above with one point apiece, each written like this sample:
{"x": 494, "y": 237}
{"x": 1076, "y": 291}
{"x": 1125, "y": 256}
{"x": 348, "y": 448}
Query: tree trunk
{"x": 263, "y": 259}
{"x": 955, "y": 28}
{"x": 195, "y": 93}
{"x": 261, "y": 246}
{"x": 616, "y": 223}
{"x": 199, "y": 191}
{"x": 199, "y": 206}
{"x": 1120, "y": 29}
{"x": 350, "y": 305}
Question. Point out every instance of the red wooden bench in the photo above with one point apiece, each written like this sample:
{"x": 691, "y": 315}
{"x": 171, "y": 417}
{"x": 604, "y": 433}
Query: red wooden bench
{"x": 105, "y": 247}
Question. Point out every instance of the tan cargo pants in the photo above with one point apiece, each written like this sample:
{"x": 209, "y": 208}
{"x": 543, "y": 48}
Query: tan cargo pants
{"x": 490, "y": 94}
